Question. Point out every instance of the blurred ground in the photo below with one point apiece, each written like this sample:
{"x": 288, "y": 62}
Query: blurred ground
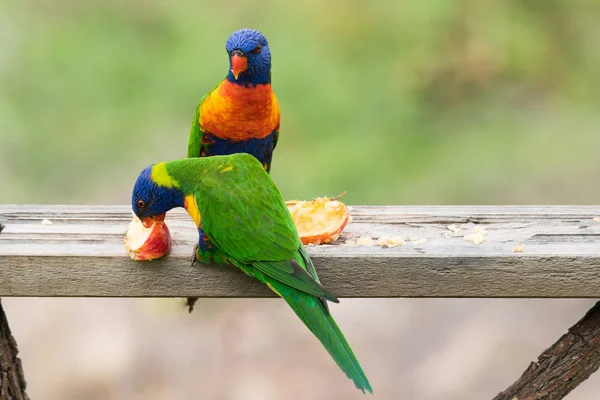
{"x": 411, "y": 102}
{"x": 122, "y": 349}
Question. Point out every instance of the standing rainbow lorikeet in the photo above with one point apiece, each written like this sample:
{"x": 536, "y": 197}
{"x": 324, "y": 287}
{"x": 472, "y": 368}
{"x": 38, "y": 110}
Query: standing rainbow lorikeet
{"x": 241, "y": 115}
{"x": 234, "y": 203}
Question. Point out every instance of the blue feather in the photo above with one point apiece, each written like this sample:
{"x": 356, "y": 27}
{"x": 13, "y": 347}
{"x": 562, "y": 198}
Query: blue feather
{"x": 259, "y": 64}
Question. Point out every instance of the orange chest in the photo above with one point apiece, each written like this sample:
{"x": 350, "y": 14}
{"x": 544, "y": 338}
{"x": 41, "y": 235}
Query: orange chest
{"x": 239, "y": 113}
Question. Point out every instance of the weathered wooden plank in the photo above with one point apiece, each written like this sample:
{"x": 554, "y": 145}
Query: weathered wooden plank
{"x": 81, "y": 254}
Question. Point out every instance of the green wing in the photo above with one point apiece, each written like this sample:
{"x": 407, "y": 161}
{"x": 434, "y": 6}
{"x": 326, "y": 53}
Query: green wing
{"x": 244, "y": 212}
{"x": 244, "y": 215}
{"x": 195, "y": 145}
{"x": 309, "y": 265}
{"x": 292, "y": 274}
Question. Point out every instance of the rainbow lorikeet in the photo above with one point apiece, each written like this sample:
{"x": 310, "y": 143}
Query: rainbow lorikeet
{"x": 241, "y": 115}
{"x": 234, "y": 203}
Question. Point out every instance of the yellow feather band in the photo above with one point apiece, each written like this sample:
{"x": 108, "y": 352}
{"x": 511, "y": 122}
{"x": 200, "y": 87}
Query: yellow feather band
{"x": 161, "y": 177}
{"x": 191, "y": 207}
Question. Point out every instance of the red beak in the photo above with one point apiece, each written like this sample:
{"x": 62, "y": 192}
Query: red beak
{"x": 148, "y": 222}
{"x": 238, "y": 65}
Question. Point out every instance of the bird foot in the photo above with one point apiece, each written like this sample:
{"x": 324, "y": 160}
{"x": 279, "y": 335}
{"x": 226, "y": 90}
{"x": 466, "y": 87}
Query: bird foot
{"x": 194, "y": 255}
{"x": 190, "y": 303}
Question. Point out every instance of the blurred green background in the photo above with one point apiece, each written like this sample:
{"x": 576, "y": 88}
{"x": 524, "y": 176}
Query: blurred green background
{"x": 411, "y": 102}
{"x": 397, "y": 102}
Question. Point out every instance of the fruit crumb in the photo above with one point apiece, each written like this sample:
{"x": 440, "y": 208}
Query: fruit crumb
{"x": 46, "y": 222}
{"x": 518, "y": 249}
{"x": 390, "y": 241}
{"x": 481, "y": 231}
{"x": 476, "y": 238}
{"x": 596, "y": 219}
{"x": 364, "y": 241}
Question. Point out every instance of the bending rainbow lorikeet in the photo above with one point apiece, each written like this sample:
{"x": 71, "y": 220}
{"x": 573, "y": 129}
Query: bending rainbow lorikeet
{"x": 234, "y": 203}
{"x": 241, "y": 115}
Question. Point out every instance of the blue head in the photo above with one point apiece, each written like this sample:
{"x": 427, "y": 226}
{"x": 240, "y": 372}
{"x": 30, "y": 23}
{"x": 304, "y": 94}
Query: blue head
{"x": 155, "y": 192}
{"x": 249, "y": 57}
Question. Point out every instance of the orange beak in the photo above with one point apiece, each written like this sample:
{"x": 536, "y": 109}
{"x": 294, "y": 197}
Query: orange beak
{"x": 148, "y": 222}
{"x": 238, "y": 64}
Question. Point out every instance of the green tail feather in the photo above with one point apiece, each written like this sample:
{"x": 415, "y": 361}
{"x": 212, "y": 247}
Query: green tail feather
{"x": 313, "y": 313}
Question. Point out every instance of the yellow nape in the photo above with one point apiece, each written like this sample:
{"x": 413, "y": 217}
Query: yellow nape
{"x": 161, "y": 176}
{"x": 190, "y": 205}
{"x": 273, "y": 289}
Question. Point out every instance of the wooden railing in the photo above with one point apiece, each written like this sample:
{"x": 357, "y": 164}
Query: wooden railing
{"x": 471, "y": 251}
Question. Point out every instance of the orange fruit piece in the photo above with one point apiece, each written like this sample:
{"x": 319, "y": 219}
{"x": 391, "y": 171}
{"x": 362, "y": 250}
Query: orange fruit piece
{"x": 319, "y": 221}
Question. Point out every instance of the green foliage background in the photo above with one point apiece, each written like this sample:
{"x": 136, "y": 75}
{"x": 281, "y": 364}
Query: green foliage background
{"x": 412, "y": 102}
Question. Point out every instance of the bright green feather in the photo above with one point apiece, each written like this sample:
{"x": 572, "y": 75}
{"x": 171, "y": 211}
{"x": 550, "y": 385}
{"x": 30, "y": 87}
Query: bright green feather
{"x": 196, "y": 133}
{"x": 245, "y": 217}
{"x": 317, "y": 318}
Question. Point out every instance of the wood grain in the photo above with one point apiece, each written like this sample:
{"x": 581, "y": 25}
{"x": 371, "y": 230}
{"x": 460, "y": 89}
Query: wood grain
{"x": 81, "y": 253}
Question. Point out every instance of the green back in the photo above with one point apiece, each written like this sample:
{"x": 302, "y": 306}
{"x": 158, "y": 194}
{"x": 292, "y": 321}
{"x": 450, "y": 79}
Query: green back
{"x": 245, "y": 217}
{"x": 242, "y": 210}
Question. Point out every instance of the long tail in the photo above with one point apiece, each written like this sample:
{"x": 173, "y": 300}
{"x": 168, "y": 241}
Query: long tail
{"x": 316, "y": 317}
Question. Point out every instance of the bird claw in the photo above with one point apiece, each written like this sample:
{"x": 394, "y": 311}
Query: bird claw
{"x": 194, "y": 257}
{"x": 190, "y": 303}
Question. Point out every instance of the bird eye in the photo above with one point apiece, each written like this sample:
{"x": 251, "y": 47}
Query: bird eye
{"x": 141, "y": 204}
{"x": 257, "y": 49}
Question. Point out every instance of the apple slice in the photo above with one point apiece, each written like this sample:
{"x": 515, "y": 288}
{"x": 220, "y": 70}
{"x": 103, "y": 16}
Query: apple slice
{"x": 319, "y": 221}
{"x": 148, "y": 244}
